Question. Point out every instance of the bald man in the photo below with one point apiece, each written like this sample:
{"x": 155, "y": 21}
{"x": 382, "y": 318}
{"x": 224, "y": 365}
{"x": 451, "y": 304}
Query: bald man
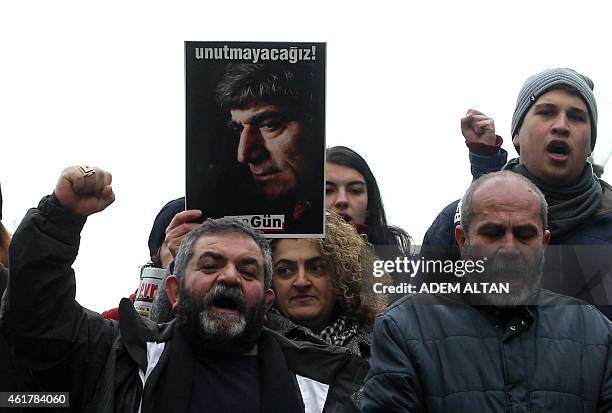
{"x": 516, "y": 348}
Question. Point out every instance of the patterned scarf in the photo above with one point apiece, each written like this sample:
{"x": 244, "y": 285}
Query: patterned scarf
{"x": 339, "y": 331}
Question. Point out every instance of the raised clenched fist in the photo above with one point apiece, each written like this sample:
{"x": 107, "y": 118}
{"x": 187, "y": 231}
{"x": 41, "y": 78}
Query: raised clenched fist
{"x": 85, "y": 190}
{"x": 477, "y": 127}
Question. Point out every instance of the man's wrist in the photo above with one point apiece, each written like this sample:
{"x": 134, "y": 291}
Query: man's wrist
{"x": 62, "y": 217}
{"x": 484, "y": 149}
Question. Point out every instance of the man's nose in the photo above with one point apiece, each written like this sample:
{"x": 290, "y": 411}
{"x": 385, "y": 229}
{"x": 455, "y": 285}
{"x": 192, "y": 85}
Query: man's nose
{"x": 561, "y": 125}
{"x": 251, "y": 146}
{"x": 302, "y": 279}
{"x": 229, "y": 276}
{"x": 510, "y": 243}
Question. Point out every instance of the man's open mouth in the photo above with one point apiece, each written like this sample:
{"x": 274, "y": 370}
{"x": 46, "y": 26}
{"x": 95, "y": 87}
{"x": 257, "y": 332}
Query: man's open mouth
{"x": 226, "y": 303}
{"x": 558, "y": 149}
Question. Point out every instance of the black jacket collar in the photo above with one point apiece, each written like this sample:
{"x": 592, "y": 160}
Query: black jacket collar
{"x": 168, "y": 388}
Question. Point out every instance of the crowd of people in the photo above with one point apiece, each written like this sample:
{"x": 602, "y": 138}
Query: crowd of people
{"x": 242, "y": 323}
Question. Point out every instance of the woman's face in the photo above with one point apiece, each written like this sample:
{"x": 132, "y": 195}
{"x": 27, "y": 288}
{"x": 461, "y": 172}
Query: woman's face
{"x": 346, "y": 193}
{"x": 304, "y": 291}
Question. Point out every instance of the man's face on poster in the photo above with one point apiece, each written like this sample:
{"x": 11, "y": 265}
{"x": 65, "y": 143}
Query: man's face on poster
{"x": 272, "y": 142}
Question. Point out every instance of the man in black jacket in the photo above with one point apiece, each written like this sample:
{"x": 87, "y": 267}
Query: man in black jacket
{"x": 214, "y": 357}
{"x": 13, "y": 376}
{"x": 483, "y": 349}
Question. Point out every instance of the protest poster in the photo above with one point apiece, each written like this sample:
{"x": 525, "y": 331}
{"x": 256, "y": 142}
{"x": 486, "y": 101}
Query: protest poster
{"x": 255, "y": 134}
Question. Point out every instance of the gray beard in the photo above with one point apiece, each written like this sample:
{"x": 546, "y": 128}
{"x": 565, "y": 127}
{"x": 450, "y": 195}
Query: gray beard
{"x": 524, "y": 279}
{"x": 214, "y": 332}
{"x": 221, "y": 323}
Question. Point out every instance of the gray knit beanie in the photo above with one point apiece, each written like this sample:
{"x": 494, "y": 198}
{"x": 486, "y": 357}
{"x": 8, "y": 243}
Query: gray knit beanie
{"x": 548, "y": 80}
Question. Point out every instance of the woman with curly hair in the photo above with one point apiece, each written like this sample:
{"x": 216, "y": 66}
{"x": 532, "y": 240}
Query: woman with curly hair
{"x": 322, "y": 287}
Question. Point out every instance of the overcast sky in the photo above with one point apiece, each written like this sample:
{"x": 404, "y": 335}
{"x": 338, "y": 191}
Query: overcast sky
{"x": 102, "y": 83}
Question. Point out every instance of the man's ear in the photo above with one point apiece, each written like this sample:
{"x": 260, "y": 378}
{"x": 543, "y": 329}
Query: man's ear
{"x": 460, "y": 236}
{"x": 270, "y": 297}
{"x": 173, "y": 287}
{"x": 517, "y": 143}
{"x": 546, "y": 238}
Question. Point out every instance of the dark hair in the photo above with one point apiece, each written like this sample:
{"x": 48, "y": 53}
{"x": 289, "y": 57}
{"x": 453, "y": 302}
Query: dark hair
{"x": 276, "y": 84}
{"x": 225, "y": 225}
{"x": 378, "y": 232}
